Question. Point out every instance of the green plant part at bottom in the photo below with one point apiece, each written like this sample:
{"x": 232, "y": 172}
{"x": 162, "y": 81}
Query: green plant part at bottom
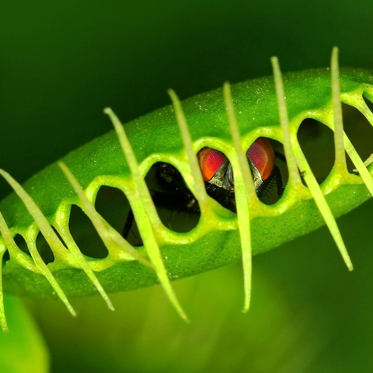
{"x": 23, "y": 349}
{"x": 40, "y": 211}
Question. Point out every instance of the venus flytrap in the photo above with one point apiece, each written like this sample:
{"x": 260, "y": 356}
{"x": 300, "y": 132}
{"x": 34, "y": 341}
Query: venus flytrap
{"x": 229, "y": 122}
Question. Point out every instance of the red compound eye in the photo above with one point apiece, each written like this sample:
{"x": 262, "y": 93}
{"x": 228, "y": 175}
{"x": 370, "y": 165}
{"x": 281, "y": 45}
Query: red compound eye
{"x": 210, "y": 161}
{"x": 262, "y": 155}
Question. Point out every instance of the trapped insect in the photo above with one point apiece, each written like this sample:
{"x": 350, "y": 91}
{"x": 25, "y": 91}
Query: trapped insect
{"x": 218, "y": 174}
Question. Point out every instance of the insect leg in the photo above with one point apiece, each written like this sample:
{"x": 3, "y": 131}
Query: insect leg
{"x": 279, "y": 183}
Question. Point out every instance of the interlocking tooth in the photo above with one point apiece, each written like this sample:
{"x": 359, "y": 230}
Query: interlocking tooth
{"x": 244, "y": 194}
{"x": 48, "y": 233}
{"x": 146, "y": 215}
{"x": 341, "y": 140}
{"x": 302, "y": 163}
{"x": 73, "y": 247}
{"x": 340, "y": 156}
{"x": 3, "y": 322}
{"x": 294, "y": 177}
{"x": 105, "y": 231}
{"x": 199, "y": 186}
{"x": 361, "y": 166}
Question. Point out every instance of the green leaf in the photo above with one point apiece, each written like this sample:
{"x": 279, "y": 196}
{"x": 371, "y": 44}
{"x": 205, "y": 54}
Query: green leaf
{"x": 43, "y": 205}
{"x": 22, "y": 348}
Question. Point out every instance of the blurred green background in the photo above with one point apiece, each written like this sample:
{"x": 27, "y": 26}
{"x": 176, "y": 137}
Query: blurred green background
{"x": 61, "y": 63}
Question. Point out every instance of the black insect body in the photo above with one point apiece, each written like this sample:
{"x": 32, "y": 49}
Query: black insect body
{"x": 218, "y": 175}
{"x": 173, "y": 195}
